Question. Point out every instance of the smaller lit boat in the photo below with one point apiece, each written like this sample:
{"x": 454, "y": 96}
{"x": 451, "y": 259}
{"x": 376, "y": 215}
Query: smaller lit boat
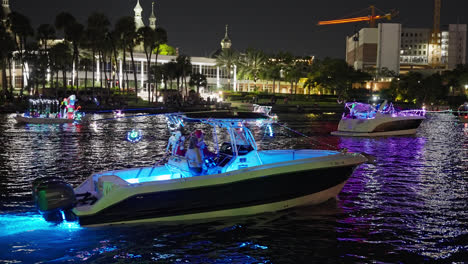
{"x": 46, "y": 111}
{"x": 365, "y": 120}
{"x": 266, "y": 110}
{"x": 463, "y": 113}
{"x": 41, "y": 120}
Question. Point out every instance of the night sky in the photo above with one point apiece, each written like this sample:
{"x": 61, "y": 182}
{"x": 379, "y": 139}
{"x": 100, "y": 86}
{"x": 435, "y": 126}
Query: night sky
{"x": 197, "y": 27}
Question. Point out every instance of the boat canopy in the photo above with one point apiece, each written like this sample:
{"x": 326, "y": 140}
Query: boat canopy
{"x": 234, "y": 122}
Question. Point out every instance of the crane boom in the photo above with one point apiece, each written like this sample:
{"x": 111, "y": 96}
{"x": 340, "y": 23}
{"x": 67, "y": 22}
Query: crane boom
{"x": 349, "y": 20}
{"x": 371, "y": 18}
{"x": 435, "y": 37}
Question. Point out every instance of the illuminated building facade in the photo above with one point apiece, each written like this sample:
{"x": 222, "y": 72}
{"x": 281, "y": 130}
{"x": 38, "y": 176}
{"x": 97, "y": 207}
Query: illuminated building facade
{"x": 372, "y": 49}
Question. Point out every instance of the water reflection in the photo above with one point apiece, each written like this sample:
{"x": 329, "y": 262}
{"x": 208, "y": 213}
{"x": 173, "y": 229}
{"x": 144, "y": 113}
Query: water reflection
{"x": 410, "y": 205}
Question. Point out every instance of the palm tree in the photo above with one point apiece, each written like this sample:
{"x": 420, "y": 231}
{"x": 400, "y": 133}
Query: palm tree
{"x": 147, "y": 36}
{"x": 98, "y": 25}
{"x": 44, "y": 33}
{"x": 151, "y": 40}
{"x": 21, "y": 28}
{"x": 73, "y": 32}
{"x": 7, "y": 46}
{"x": 198, "y": 80}
{"x": 157, "y": 75}
{"x": 170, "y": 71}
{"x": 227, "y": 58}
{"x": 114, "y": 38}
{"x": 60, "y": 55}
{"x": 85, "y": 64}
{"x": 125, "y": 26}
{"x": 252, "y": 64}
{"x": 184, "y": 66}
{"x": 105, "y": 48}
{"x": 273, "y": 72}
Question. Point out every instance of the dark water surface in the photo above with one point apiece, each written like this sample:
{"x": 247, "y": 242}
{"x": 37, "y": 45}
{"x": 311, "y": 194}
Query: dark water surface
{"x": 411, "y": 206}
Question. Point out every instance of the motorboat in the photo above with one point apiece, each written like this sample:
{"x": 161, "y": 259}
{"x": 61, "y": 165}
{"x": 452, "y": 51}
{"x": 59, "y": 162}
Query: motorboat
{"x": 266, "y": 110}
{"x": 237, "y": 179}
{"x": 463, "y": 113}
{"x": 47, "y": 111}
{"x": 365, "y": 120}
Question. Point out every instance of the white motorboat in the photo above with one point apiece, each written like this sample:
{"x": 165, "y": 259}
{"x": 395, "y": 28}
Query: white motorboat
{"x": 238, "y": 180}
{"x": 266, "y": 110}
{"x": 365, "y": 120}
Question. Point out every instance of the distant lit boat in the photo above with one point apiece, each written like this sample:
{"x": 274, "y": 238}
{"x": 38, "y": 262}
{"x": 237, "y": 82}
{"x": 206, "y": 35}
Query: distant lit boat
{"x": 365, "y": 120}
{"x": 238, "y": 180}
{"x": 46, "y": 120}
{"x": 463, "y": 113}
{"x": 47, "y": 111}
{"x": 42, "y": 120}
{"x": 266, "y": 110}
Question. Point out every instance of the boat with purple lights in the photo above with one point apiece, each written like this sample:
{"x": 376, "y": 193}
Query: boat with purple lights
{"x": 365, "y": 120}
{"x": 237, "y": 179}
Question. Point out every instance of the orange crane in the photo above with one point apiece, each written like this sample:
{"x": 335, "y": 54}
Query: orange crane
{"x": 371, "y": 18}
{"x": 435, "y": 37}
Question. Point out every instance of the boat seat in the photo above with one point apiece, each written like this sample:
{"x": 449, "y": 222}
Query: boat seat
{"x": 178, "y": 165}
{"x": 108, "y": 183}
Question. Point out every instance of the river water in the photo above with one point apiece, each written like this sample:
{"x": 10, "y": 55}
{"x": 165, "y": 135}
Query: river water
{"x": 410, "y": 206}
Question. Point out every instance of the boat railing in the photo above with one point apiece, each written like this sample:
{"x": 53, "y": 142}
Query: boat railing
{"x": 413, "y": 112}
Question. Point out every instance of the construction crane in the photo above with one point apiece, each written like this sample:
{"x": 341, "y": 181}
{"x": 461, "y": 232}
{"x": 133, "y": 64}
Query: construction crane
{"x": 435, "y": 37}
{"x": 370, "y": 18}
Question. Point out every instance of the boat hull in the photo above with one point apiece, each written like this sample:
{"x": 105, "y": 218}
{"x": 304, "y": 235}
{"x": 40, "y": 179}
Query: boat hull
{"x": 384, "y": 126}
{"x": 39, "y": 120}
{"x": 251, "y": 196}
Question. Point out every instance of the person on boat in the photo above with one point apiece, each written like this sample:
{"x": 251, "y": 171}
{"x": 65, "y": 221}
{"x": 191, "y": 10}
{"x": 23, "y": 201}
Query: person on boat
{"x": 194, "y": 156}
{"x": 202, "y": 145}
{"x": 176, "y": 144}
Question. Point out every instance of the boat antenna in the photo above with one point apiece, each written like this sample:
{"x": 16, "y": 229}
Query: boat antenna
{"x": 313, "y": 141}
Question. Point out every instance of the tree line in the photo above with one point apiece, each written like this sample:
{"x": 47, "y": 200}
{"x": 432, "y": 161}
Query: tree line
{"x": 98, "y": 42}
{"x": 84, "y": 46}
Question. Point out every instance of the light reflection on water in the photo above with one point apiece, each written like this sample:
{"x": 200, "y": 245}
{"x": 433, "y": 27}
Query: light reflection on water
{"x": 409, "y": 206}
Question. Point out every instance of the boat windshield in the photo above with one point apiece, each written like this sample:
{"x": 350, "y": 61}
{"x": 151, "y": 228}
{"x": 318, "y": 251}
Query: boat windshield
{"x": 359, "y": 110}
{"x": 355, "y": 110}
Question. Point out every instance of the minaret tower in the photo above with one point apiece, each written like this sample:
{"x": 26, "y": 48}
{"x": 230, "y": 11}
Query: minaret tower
{"x": 6, "y": 7}
{"x": 226, "y": 42}
{"x": 152, "y": 18}
{"x": 138, "y": 20}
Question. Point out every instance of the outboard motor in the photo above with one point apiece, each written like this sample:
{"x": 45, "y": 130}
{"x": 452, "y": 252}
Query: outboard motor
{"x": 54, "y": 199}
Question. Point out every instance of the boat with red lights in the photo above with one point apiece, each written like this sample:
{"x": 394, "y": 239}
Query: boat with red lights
{"x": 236, "y": 179}
{"x": 365, "y": 120}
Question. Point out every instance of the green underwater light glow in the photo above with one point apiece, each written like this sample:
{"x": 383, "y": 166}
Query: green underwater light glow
{"x": 15, "y": 224}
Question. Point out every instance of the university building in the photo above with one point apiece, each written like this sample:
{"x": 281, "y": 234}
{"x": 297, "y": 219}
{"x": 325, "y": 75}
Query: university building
{"x": 217, "y": 77}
